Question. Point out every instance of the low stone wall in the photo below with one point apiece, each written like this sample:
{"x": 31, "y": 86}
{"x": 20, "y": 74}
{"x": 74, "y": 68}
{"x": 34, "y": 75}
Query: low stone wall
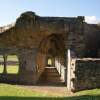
{"x": 26, "y": 78}
{"x": 86, "y": 74}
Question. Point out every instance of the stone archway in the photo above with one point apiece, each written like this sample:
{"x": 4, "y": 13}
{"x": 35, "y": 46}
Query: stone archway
{"x": 52, "y": 47}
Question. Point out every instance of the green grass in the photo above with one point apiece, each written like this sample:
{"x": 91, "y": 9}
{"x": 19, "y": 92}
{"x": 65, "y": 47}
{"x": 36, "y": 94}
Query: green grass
{"x": 93, "y": 92}
{"x": 1, "y": 68}
{"x": 12, "y": 58}
{"x": 14, "y": 92}
{"x": 9, "y": 58}
{"x": 11, "y": 69}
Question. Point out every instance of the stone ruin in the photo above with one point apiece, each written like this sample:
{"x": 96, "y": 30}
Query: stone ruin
{"x": 70, "y": 43}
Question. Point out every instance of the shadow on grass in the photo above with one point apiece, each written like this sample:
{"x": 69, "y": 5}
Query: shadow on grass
{"x": 85, "y": 97}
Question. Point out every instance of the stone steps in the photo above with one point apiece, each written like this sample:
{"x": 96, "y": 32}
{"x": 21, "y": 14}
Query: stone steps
{"x": 50, "y": 75}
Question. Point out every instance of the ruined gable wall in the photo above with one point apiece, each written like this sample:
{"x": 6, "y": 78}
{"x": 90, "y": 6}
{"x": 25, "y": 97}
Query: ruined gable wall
{"x": 92, "y": 40}
{"x": 76, "y": 37}
{"x": 30, "y": 29}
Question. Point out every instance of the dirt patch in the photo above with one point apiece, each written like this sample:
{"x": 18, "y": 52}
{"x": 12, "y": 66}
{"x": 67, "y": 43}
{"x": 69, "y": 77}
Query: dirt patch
{"x": 50, "y": 90}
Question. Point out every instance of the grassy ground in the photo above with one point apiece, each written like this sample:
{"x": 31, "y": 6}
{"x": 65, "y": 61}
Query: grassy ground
{"x": 14, "y": 92}
{"x": 11, "y": 69}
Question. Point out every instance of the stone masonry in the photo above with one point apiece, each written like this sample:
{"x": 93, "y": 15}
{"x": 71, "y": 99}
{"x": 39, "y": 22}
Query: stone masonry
{"x": 32, "y": 38}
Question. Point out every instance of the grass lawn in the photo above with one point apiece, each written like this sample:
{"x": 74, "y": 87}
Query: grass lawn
{"x": 11, "y": 68}
{"x": 14, "y": 92}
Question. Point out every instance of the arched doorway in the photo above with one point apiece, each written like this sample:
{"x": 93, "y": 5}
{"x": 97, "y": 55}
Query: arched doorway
{"x": 53, "y": 47}
{"x": 49, "y": 61}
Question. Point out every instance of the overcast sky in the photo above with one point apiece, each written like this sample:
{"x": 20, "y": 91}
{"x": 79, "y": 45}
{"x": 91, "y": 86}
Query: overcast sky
{"x": 11, "y": 9}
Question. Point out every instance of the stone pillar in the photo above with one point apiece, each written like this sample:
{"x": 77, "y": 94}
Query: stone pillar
{"x": 27, "y": 65}
{"x": 31, "y": 61}
{"x": 69, "y": 71}
{"x": 27, "y": 60}
{"x": 72, "y": 74}
{"x": 22, "y": 62}
{"x": 5, "y": 64}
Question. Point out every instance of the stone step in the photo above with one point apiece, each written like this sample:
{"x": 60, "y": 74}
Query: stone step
{"x": 50, "y": 69}
{"x": 51, "y": 72}
{"x": 51, "y": 80}
{"x": 50, "y": 75}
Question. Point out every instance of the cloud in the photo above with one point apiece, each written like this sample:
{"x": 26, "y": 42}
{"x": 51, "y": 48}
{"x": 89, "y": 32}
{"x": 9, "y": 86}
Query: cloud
{"x": 91, "y": 19}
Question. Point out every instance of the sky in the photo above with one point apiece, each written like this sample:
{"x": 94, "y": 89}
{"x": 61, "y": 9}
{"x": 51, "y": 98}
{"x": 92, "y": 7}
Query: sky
{"x": 10, "y": 10}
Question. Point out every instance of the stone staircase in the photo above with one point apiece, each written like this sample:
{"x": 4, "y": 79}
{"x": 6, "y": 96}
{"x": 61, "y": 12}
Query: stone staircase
{"x": 50, "y": 76}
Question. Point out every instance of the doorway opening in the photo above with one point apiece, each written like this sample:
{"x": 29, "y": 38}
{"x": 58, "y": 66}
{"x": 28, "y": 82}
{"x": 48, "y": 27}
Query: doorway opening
{"x": 49, "y": 62}
{"x": 12, "y": 64}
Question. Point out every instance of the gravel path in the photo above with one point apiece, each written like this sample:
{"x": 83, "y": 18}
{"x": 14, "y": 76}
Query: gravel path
{"x": 51, "y": 90}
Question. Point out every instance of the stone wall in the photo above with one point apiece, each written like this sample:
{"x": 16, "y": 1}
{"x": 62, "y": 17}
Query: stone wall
{"x": 75, "y": 40}
{"x": 86, "y": 74}
{"x": 40, "y": 63}
{"x": 91, "y": 40}
{"x": 27, "y": 66}
{"x": 30, "y": 30}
